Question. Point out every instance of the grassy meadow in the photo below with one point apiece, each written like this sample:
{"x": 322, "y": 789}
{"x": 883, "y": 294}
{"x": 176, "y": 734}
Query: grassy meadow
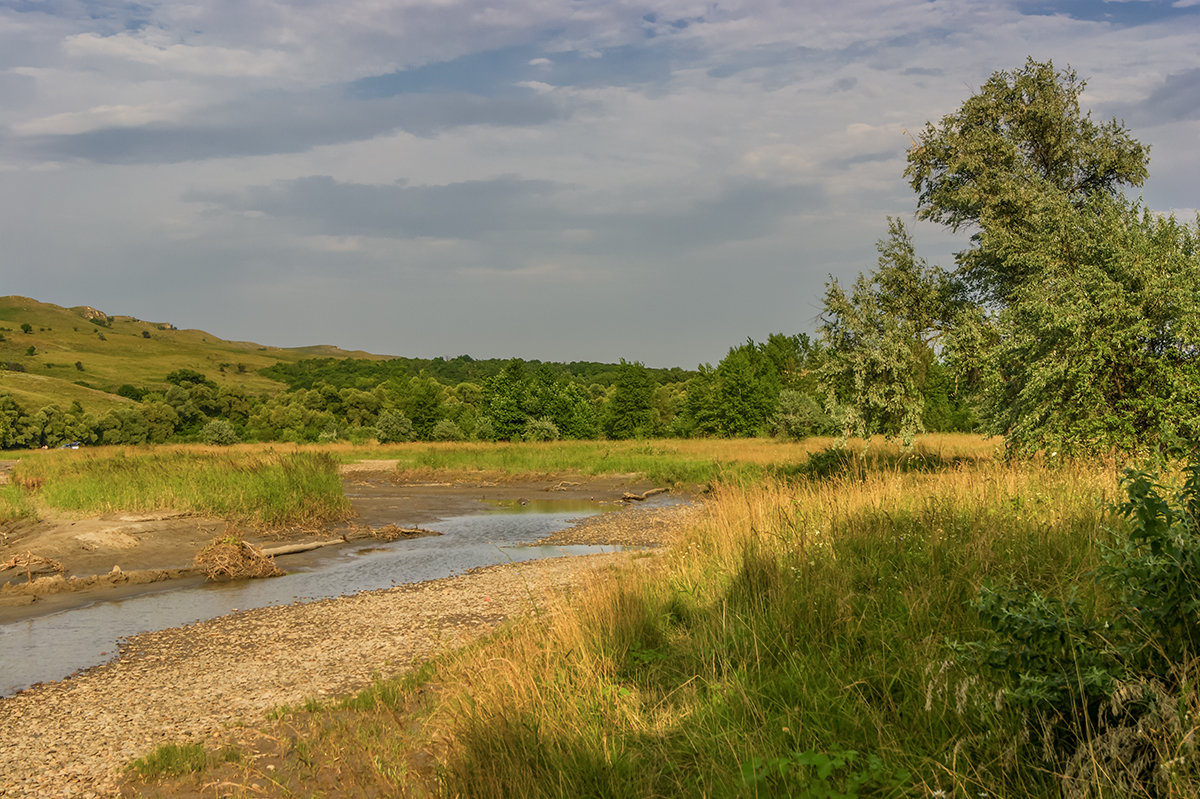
{"x": 804, "y": 638}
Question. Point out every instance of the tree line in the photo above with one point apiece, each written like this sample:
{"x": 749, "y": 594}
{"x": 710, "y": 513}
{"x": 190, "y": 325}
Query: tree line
{"x": 768, "y": 388}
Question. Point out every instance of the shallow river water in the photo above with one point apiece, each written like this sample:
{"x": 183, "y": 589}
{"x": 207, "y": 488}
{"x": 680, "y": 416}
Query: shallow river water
{"x": 56, "y": 645}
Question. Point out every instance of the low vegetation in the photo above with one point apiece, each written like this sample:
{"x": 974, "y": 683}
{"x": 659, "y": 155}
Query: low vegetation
{"x": 258, "y": 486}
{"x": 888, "y": 625}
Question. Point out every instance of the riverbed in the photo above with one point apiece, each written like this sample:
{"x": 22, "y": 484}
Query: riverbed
{"x": 52, "y": 645}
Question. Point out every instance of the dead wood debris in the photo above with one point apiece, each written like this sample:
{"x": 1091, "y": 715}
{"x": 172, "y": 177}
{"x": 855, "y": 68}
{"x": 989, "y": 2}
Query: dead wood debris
{"x": 629, "y": 496}
{"x": 231, "y": 558}
{"x": 32, "y": 564}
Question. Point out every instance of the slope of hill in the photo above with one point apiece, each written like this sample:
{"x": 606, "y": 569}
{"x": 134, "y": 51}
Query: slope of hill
{"x": 50, "y": 354}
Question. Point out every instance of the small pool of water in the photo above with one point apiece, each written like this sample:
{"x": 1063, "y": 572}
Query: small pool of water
{"x": 54, "y": 646}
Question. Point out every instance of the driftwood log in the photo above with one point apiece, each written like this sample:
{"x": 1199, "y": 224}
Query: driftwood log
{"x": 389, "y": 532}
{"x": 629, "y": 496}
{"x": 292, "y": 549}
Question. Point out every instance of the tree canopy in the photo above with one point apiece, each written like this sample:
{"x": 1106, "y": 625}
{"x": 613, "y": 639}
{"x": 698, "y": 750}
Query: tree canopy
{"x": 1074, "y": 316}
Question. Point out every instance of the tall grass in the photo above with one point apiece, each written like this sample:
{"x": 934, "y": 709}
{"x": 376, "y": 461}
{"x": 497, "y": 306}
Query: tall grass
{"x": 257, "y": 486}
{"x": 797, "y": 623}
{"x": 15, "y": 504}
{"x": 673, "y": 461}
{"x": 794, "y": 643}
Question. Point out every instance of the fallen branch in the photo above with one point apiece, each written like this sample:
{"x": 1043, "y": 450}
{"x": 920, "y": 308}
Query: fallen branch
{"x": 292, "y": 549}
{"x": 32, "y": 564}
{"x": 629, "y": 496}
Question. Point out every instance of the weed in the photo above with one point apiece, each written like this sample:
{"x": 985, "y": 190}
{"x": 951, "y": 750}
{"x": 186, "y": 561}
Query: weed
{"x": 171, "y": 760}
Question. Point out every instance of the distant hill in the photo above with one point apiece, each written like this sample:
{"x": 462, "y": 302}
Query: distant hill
{"x": 85, "y": 354}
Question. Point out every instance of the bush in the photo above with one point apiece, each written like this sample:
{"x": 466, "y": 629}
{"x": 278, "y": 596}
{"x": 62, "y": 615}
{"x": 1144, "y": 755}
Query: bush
{"x": 131, "y": 392}
{"x": 800, "y": 416}
{"x": 1106, "y": 678}
{"x": 543, "y": 429}
{"x": 26, "y": 327}
{"x": 446, "y": 430}
{"x": 485, "y": 429}
{"x": 394, "y": 426}
{"x": 219, "y": 432}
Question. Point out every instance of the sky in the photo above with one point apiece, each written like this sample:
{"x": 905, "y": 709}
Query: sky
{"x": 546, "y": 179}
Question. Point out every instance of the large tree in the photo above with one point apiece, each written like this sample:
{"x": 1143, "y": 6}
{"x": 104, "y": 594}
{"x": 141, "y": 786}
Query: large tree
{"x": 1018, "y": 150}
{"x": 880, "y": 337}
{"x": 1075, "y": 311}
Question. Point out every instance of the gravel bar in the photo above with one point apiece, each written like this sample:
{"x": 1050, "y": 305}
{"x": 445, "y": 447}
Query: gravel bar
{"x": 72, "y": 738}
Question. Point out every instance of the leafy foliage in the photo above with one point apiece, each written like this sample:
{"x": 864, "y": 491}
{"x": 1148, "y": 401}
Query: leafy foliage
{"x": 1018, "y": 147}
{"x": 1064, "y": 661}
{"x": 1073, "y": 317}
{"x": 880, "y": 338}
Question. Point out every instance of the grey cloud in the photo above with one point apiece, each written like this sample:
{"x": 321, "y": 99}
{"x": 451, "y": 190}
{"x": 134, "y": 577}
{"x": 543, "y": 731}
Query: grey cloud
{"x": 1177, "y": 99}
{"x": 287, "y": 123}
{"x": 16, "y": 90}
{"x": 743, "y": 210}
{"x": 524, "y": 214}
{"x": 456, "y": 210}
{"x": 869, "y": 158}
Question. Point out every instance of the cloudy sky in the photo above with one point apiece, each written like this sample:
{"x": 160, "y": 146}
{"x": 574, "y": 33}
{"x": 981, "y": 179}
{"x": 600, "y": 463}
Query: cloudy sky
{"x": 553, "y": 179}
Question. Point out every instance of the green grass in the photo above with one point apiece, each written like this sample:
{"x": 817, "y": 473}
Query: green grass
{"x": 798, "y": 623}
{"x": 63, "y": 336}
{"x": 671, "y": 461}
{"x": 657, "y": 461}
{"x": 257, "y": 486}
{"x": 15, "y": 504}
{"x": 175, "y": 760}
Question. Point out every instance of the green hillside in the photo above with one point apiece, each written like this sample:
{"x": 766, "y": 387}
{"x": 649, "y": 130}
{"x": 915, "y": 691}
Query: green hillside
{"x": 84, "y": 354}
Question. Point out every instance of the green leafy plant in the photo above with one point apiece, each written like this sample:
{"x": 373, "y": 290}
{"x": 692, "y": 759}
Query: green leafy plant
{"x": 1114, "y": 668}
{"x": 838, "y": 774}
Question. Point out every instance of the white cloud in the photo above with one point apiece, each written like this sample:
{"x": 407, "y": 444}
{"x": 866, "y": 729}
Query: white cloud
{"x": 725, "y": 158}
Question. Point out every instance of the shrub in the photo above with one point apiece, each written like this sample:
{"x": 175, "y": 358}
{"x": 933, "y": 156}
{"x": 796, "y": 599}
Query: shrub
{"x": 394, "y": 426}
{"x": 26, "y": 327}
{"x": 543, "y": 429}
{"x": 800, "y": 416}
{"x": 131, "y": 392}
{"x": 446, "y": 430}
{"x": 219, "y": 432}
{"x": 485, "y": 429}
{"x": 1105, "y": 679}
